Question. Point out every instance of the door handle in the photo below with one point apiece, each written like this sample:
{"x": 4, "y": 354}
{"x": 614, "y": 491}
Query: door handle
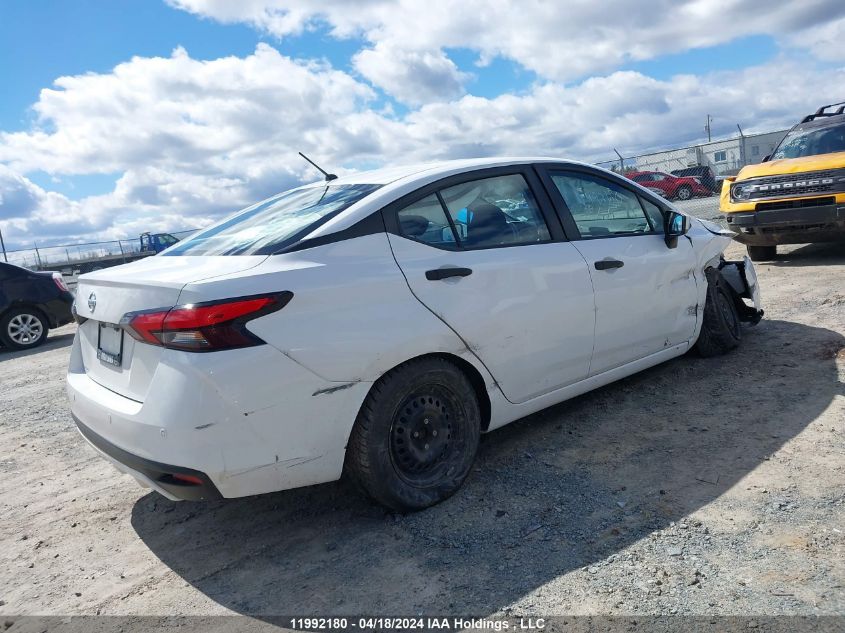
{"x": 445, "y": 273}
{"x": 607, "y": 264}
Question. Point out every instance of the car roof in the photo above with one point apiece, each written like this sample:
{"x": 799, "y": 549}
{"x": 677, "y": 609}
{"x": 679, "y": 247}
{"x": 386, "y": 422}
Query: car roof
{"x": 398, "y": 181}
{"x": 434, "y": 170}
{"x": 830, "y": 120}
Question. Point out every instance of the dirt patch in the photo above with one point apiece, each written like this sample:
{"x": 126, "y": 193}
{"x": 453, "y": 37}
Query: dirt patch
{"x": 702, "y": 486}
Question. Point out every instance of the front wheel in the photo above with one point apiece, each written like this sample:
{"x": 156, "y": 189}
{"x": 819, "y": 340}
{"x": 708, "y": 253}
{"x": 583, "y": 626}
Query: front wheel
{"x": 721, "y": 330}
{"x": 23, "y": 328}
{"x": 416, "y": 436}
{"x": 761, "y": 253}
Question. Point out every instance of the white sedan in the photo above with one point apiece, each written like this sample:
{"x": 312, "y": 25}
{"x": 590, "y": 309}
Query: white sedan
{"x": 376, "y": 324}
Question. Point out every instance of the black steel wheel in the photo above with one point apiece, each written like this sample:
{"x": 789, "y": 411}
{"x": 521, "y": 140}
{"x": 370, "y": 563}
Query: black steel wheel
{"x": 416, "y": 436}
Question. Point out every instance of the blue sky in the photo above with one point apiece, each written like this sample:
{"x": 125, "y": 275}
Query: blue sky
{"x": 136, "y": 135}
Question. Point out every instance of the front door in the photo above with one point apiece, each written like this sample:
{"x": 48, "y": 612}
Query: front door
{"x": 645, "y": 292}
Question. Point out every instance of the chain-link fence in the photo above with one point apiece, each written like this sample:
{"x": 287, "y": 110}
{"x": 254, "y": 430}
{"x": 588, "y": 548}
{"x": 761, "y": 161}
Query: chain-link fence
{"x": 69, "y": 258}
{"x": 723, "y": 157}
{"x": 707, "y": 163}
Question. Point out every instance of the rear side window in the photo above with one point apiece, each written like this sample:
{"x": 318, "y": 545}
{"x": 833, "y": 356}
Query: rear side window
{"x": 268, "y": 226}
{"x": 483, "y": 213}
{"x": 426, "y": 221}
{"x": 498, "y": 211}
{"x": 600, "y": 207}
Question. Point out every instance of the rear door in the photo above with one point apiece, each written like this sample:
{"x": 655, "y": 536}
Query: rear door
{"x": 485, "y": 253}
{"x": 645, "y": 292}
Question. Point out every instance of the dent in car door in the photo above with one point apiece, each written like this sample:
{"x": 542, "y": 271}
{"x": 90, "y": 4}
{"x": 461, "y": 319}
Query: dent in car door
{"x": 523, "y": 306}
{"x": 645, "y": 293}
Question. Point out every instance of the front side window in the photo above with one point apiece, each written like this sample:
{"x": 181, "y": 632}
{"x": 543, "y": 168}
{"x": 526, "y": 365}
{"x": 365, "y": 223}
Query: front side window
{"x": 599, "y": 207}
{"x": 655, "y": 215}
{"x": 497, "y": 211}
{"x": 812, "y": 141}
{"x": 268, "y": 226}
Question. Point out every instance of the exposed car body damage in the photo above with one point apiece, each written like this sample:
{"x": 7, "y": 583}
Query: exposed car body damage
{"x": 587, "y": 278}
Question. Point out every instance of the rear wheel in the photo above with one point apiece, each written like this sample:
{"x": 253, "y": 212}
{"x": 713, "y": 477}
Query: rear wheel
{"x": 23, "y": 328}
{"x": 416, "y": 435}
{"x": 684, "y": 192}
{"x": 761, "y": 253}
{"x": 721, "y": 330}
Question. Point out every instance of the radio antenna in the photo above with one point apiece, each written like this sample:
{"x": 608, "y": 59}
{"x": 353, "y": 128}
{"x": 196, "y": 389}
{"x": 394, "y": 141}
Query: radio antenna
{"x": 329, "y": 177}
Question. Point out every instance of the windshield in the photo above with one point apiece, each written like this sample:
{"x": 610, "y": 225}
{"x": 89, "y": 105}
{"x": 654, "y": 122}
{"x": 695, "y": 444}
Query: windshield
{"x": 268, "y": 226}
{"x": 811, "y": 141}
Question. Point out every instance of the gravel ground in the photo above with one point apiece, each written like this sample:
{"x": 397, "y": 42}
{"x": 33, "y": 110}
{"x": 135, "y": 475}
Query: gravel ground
{"x": 698, "y": 487}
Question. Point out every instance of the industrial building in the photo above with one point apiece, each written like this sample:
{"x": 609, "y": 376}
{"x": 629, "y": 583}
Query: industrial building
{"x": 725, "y": 157}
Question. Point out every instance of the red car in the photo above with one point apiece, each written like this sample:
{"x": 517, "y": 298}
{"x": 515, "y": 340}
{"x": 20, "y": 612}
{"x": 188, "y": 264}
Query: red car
{"x": 669, "y": 186}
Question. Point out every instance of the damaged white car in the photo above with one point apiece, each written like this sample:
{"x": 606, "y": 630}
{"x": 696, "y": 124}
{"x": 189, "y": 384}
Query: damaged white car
{"x": 375, "y": 325}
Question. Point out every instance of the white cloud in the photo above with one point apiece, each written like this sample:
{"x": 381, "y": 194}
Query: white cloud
{"x": 559, "y": 41}
{"x": 413, "y": 77}
{"x": 181, "y": 112}
{"x": 826, "y": 41}
{"x": 196, "y": 139}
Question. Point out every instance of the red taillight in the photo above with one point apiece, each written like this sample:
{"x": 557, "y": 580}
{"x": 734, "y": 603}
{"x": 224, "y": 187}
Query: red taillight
{"x": 191, "y": 480}
{"x": 60, "y": 282}
{"x": 204, "y": 327}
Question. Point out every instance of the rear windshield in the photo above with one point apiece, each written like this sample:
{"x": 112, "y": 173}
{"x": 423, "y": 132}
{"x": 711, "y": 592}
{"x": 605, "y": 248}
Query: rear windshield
{"x": 269, "y": 226}
{"x": 811, "y": 141}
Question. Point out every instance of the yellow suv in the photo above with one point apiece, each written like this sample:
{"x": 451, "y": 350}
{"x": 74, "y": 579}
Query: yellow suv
{"x": 797, "y": 194}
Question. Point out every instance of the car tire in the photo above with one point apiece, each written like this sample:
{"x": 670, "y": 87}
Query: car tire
{"x": 721, "y": 330}
{"x": 416, "y": 435}
{"x": 761, "y": 253}
{"x": 684, "y": 192}
{"x": 23, "y": 328}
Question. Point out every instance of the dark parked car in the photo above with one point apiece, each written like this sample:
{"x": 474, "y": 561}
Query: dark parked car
{"x": 703, "y": 173}
{"x": 30, "y": 304}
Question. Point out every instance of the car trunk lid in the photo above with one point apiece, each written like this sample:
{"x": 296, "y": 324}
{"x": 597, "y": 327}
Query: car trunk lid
{"x": 111, "y": 357}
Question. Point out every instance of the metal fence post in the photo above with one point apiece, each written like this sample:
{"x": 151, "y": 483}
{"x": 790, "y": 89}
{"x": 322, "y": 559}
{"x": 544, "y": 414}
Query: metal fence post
{"x": 122, "y": 254}
{"x": 37, "y": 256}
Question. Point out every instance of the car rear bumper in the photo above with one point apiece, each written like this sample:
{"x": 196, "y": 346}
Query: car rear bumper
{"x": 243, "y": 422}
{"x": 151, "y": 474}
{"x": 797, "y": 225}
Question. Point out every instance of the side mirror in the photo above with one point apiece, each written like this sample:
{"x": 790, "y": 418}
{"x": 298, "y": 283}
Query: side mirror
{"x": 674, "y": 225}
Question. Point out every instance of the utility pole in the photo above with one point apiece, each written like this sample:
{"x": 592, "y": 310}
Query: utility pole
{"x": 707, "y": 127}
{"x": 3, "y": 246}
